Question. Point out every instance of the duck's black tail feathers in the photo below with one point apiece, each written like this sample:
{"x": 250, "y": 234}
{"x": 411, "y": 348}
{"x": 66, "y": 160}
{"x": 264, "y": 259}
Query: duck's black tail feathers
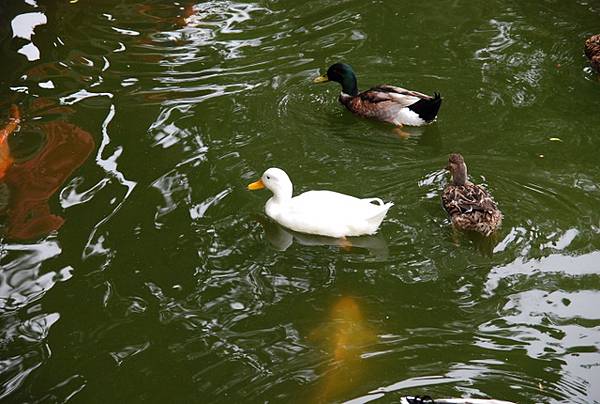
{"x": 427, "y": 109}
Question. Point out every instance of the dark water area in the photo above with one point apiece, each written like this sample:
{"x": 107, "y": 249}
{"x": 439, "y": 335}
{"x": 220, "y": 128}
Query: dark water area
{"x": 135, "y": 266}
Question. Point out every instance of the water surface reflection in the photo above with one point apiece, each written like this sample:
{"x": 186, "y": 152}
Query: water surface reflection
{"x": 36, "y": 158}
{"x": 282, "y": 238}
{"x": 42, "y": 156}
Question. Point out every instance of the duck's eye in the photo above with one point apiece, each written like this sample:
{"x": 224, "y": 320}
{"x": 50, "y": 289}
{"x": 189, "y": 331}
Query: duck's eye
{"x": 268, "y": 177}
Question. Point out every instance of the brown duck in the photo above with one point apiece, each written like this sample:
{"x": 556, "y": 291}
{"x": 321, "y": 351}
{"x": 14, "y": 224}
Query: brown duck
{"x": 592, "y": 51}
{"x": 470, "y": 206}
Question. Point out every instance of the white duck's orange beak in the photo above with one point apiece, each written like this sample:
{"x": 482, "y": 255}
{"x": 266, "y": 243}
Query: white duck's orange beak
{"x": 256, "y": 185}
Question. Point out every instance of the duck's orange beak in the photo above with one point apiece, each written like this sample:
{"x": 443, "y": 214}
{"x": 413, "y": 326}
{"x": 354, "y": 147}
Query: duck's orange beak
{"x": 256, "y": 185}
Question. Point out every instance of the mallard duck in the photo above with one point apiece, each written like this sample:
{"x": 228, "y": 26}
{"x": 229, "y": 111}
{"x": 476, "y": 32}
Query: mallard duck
{"x": 592, "y": 51}
{"x": 386, "y": 103}
{"x": 470, "y": 206}
{"x": 323, "y": 213}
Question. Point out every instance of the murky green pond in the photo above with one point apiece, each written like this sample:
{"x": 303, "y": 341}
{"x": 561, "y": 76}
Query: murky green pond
{"x": 135, "y": 266}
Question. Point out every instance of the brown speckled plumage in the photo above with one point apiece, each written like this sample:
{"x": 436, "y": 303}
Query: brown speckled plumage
{"x": 470, "y": 206}
{"x": 592, "y": 51}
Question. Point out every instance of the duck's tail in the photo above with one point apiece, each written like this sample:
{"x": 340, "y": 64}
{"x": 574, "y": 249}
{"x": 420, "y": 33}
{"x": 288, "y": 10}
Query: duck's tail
{"x": 427, "y": 108}
{"x": 376, "y": 219}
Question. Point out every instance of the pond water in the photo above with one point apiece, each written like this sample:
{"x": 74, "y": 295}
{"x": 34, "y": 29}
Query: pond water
{"x": 135, "y": 266}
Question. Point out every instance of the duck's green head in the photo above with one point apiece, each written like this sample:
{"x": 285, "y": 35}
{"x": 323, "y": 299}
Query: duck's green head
{"x": 341, "y": 73}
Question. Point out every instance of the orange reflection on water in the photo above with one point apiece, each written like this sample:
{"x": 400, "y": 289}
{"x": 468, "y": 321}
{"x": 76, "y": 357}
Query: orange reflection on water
{"x": 346, "y": 335}
{"x": 5, "y": 157}
{"x": 32, "y": 180}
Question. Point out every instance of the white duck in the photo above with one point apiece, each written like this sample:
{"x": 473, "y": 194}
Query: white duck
{"x": 324, "y": 213}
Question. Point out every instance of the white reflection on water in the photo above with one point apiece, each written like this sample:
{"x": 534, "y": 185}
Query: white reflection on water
{"x": 175, "y": 188}
{"x": 282, "y": 238}
{"x": 552, "y": 325}
{"x": 21, "y": 284}
{"x": 501, "y": 41}
{"x": 209, "y": 331}
{"x": 20, "y": 279}
{"x": 508, "y": 56}
{"x": 198, "y": 210}
{"x": 586, "y": 264}
{"x": 221, "y": 17}
{"x": 109, "y": 164}
{"x": 212, "y": 28}
{"x": 23, "y": 26}
{"x": 128, "y": 352}
{"x": 541, "y": 316}
{"x": 205, "y": 26}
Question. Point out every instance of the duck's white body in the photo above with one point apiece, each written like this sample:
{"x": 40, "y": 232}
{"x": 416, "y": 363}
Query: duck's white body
{"x": 328, "y": 213}
{"x": 324, "y": 213}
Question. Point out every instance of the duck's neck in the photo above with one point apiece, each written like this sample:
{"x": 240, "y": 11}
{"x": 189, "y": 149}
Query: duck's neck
{"x": 283, "y": 193}
{"x": 459, "y": 177}
{"x": 349, "y": 85}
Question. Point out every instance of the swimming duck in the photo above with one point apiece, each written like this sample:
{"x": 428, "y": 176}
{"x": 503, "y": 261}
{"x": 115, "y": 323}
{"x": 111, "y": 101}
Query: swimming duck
{"x": 386, "y": 103}
{"x": 323, "y": 213}
{"x": 470, "y": 206}
{"x": 592, "y": 51}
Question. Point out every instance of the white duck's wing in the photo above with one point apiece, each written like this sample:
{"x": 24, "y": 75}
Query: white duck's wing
{"x": 333, "y": 205}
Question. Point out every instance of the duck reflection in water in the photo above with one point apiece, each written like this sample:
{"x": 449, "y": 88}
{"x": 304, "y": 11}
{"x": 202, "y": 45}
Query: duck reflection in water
{"x": 346, "y": 335}
{"x": 34, "y": 163}
{"x": 281, "y": 239}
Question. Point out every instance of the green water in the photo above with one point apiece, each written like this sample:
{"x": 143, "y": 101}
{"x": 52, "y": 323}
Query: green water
{"x": 142, "y": 125}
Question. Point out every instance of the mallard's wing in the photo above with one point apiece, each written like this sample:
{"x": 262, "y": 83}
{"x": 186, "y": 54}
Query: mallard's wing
{"x": 467, "y": 198}
{"x": 399, "y": 91}
{"x": 390, "y": 94}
